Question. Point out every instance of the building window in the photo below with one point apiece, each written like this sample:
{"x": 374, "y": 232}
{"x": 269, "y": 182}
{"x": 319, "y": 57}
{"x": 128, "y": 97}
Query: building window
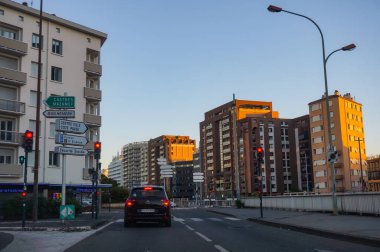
{"x": 331, "y": 114}
{"x": 2, "y": 12}
{"x": 58, "y": 30}
{"x": 52, "y": 129}
{"x": 53, "y": 158}
{"x": 33, "y": 98}
{"x": 34, "y": 70}
{"x": 88, "y": 40}
{"x": 57, "y": 47}
{"x": 8, "y": 33}
{"x": 21, "y": 18}
{"x": 316, "y": 118}
{"x": 56, "y": 74}
{"x": 315, "y": 107}
{"x": 36, "y": 41}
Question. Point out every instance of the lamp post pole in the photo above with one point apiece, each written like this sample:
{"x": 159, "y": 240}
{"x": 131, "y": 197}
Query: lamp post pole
{"x": 272, "y": 8}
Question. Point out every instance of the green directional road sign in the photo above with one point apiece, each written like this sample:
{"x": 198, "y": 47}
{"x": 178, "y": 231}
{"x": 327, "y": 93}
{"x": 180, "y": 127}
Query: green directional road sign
{"x": 67, "y": 212}
{"x": 60, "y": 102}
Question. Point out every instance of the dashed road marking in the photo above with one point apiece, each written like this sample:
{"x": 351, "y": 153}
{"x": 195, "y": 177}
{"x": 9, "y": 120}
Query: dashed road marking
{"x": 196, "y": 219}
{"x": 220, "y": 248}
{"x": 215, "y": 219}
{"x": 204, "y": 237}
{"x": 190, "y": 228}
{"x": 232, "y": 218}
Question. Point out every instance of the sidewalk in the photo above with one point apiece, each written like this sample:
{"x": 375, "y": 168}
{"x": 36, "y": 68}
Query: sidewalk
{"x": 81, "y": 222}
{"x": 353, "y": 228}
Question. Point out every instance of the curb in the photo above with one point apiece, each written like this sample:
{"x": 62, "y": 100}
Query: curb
{"x": 324, "y": 233}
{"x": 226, "y": 214}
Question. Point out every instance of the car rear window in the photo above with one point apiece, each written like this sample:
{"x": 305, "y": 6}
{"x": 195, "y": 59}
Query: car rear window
{"x": 152, "y": 193}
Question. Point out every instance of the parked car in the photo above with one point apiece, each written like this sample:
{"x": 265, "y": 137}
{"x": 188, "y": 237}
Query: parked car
{"x": 86, "y": 202}
{"x": 147, "y": 204}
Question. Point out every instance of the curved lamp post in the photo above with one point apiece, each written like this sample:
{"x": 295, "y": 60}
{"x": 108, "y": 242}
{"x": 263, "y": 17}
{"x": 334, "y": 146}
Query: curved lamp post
{"x": 350, "y": 47}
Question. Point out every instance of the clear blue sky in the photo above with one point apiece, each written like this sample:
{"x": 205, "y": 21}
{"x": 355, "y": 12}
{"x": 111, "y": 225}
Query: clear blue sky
{"x": 167, "y": 62}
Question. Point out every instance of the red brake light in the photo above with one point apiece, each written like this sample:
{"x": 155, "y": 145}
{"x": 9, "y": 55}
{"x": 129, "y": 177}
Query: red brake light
{"x": 166, "y": 203}
{"x": 129, "y": 203}
{"x": 148, "y": 188}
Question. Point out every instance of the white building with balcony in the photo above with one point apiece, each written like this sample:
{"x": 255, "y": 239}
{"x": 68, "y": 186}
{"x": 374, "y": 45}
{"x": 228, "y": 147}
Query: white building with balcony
{"x": 70, "y": 66}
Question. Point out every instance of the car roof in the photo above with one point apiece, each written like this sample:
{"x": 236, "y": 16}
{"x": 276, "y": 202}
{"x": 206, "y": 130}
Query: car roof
{"x": 153, "y": 186}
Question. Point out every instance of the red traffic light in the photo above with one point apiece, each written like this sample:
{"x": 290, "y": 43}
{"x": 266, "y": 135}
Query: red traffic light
{"x": 23, "y": 194}
{"x": 259, "y": 150}
{"x": 97, "y": 145}
{"x": 28, "y": 134}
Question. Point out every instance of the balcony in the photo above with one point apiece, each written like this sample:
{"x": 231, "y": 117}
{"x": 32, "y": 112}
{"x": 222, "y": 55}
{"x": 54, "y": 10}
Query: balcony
{"x": 93, "y": 68}
{"x": 12, "y": 77}
{"x": 14, "y": 47}
{"x": 339, "y": 177}
{"x": 10, "y": 170}
{"x": 12, "y": 107}
{"x": 92, "y": 120}
{"x": 92, "y": 94}
{"x": 10, "y": 138}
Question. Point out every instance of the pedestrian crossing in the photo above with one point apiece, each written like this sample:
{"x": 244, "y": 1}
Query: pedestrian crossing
{"x": 205, "y": 219}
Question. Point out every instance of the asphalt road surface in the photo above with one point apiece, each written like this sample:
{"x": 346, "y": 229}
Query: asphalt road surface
{"x": 199, "y": 230}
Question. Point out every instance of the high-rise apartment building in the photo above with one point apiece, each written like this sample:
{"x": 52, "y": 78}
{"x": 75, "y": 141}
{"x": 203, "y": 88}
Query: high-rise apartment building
{"x": 135, "y": 164}
{"x": 217, "y": 144}
{"x": 70, "y": 66}
{"x": 172, "y": 148}
{"x": 347, "y": 132}
{"x": 116, "y": 171}
{"x": 285, "y": 145}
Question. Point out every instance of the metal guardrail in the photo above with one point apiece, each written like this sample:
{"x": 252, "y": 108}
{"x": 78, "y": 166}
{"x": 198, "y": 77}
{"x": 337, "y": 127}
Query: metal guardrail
{"x": 360, "y": 203}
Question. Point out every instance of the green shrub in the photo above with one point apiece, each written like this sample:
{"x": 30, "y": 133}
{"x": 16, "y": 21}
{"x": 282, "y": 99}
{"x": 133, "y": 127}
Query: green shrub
{"x": 239, "y": 203}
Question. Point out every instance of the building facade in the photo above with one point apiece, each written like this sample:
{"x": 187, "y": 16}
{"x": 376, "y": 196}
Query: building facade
{"x": 183, "y": 186}
{"x": 173, "y": 149}
{"x": 347, "y": 132}
{"x": 70, "y": 66}
{"x": 217, "y": 145}
{"x": 116, "y": 171}
{"x": 135, "y": 164}
{"x": 374, "y": 173}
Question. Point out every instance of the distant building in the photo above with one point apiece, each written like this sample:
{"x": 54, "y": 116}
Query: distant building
{"x": 115, "y": 170}
{"x": 183, "y": 186}
{"x": 374, "y": 173}
{"x": 217, "y": 145}
{"x": 347, "y": 131}
{"x": 173, "y": 149}
{"x": 285, "y": 144}
{"x": 135, "y": 164}
{"x": 105, "y": 172}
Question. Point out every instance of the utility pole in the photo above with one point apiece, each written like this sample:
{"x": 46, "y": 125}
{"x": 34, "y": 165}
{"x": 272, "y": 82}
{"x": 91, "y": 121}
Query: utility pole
{"x": 38, "y": 108}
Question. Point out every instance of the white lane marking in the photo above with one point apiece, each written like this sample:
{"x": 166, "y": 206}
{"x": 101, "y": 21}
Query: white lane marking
{"x": 204, "y": 237}
{"x": 231, "y": 218}
{"x": 321, "y": 250}
{"x": 220, "y": 248}
{"x": 196, "y": 219}
{"x": 215, "y": 219}
{"x": 119, "y": 220}
{"x": 178, "y": 219}
{"x": 192, "y": 229}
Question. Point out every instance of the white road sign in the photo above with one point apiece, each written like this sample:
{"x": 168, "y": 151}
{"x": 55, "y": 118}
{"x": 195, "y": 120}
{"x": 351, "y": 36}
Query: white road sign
{"x": 166, "y": 167}
{"x": 166, "y": 176}
{"x": 70, "y": 126}
{"x": 59, "y": 113}
{"x": 70, "y": 140}
{"x": 167, "y": 172}
{"x": 70, "y": 151}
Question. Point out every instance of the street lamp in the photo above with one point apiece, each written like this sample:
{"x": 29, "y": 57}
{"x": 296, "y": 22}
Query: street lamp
{"x": 272, "y": 8}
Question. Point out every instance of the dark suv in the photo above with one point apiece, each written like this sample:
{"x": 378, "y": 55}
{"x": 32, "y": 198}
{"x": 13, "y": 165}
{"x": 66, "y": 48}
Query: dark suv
{"x": 148, "y": 204}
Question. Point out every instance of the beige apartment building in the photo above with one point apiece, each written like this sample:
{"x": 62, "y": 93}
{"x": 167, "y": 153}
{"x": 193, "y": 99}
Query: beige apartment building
{"x": 347, "y": 131}
{"x": 71, "y": 66}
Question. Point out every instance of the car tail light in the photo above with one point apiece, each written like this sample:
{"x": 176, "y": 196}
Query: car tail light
{"x": 148, "y": 188}
{"x": 166, "y": 203}
{"x": 129, "y": 203}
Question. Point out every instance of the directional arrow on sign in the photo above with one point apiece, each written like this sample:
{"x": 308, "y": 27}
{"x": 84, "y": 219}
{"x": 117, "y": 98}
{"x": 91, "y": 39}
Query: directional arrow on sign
{"x": 59, "y": 113}
{"x": 70, "y": 151}
{"x": 70, "y": 126}
{"x": 62, "y": 102}
{"x": 70, "y": 140}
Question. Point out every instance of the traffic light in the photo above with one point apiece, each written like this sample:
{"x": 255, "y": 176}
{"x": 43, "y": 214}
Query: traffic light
{"x": 260, "y": 154}
{"x": 23, "y": 194}
{"x": 97, "y": 149}
{"x": 27, "y": 141}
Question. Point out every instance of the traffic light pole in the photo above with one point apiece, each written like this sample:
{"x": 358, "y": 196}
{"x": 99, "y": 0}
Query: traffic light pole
{"x": 24, "y": 190}
{"x": 96, "y": 188}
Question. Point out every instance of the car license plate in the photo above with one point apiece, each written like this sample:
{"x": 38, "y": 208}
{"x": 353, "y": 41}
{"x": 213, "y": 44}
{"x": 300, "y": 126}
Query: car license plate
{"x": 147, "y": 210}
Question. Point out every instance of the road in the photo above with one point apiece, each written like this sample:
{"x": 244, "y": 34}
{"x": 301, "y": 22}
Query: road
{"x": 199, "y": 230}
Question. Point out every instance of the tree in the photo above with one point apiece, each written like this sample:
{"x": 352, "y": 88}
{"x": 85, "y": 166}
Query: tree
{"x": 106, "y": 180}
{"x": 116, "y": 193}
